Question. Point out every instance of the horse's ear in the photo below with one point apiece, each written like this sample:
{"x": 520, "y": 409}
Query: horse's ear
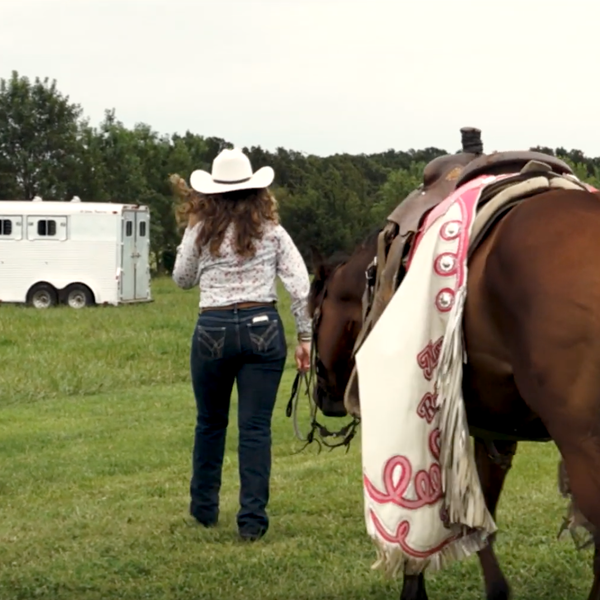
{"x": 317, "y": 259}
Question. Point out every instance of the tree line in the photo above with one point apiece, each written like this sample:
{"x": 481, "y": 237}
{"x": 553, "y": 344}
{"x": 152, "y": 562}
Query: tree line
{"x": 49, "y": 149}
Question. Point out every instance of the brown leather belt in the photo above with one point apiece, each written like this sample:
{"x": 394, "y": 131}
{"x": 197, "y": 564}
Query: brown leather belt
{"x": 239, "y": 306}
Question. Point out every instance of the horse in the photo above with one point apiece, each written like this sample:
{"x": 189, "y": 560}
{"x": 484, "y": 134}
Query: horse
{"x": 531, "y": 326}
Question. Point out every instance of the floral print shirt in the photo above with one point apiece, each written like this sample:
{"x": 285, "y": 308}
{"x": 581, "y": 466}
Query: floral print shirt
{"x": 229, "y": 278}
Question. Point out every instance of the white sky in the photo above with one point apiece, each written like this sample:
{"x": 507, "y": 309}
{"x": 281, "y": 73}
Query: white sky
{"x": 323, "y": 76}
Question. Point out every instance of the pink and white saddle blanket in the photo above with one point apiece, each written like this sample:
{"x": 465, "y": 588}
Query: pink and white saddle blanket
{"x": 423, "y": 500}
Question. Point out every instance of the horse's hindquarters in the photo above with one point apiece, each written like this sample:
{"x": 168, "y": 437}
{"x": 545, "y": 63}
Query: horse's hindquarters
{"x": 534, "y": 317}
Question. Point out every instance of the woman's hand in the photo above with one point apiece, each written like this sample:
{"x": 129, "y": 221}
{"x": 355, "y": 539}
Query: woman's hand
{"x": 302, "y": 356}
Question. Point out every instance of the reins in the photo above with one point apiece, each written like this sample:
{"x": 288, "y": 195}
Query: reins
{"x": 317, "y": 433}
{"x": 347, "y": 432}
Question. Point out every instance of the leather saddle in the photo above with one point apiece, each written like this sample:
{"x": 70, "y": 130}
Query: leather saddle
{"x": 441, "y": 177}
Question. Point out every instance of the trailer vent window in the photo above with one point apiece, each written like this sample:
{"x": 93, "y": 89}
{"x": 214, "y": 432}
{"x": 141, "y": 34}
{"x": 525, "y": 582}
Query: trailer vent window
{"x": 143, "y": 229}
{"x": 5, "y": 227}
{"x": 129, "y": 228}
{"x": 46, "y": 227}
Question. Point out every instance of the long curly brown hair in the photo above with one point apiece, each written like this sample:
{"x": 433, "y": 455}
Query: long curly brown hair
{"x": 248, "y": 210}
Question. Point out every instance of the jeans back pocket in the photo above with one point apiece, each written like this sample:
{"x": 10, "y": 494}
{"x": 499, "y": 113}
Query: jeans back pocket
{"x": 266, "y": 336}
{"x": 211, "y": 341}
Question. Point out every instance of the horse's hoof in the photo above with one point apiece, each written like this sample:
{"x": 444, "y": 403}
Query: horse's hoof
{"x": 499, "y": 590}
{"x": 421, "y": 594}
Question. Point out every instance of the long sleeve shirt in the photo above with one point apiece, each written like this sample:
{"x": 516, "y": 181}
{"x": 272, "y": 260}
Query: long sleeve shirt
{"x": 230, "y": 278}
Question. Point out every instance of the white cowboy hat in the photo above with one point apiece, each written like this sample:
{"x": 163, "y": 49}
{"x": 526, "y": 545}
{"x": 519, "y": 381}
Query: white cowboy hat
{"x": 231, "y": 170}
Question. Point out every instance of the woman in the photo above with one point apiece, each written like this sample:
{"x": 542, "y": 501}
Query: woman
{"x": 234, "y": 248}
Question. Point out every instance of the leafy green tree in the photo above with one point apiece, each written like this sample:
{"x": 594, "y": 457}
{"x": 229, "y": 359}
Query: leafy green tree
{"x": 398, "y": 186}
{"x": 39, "y": 139}
{"x": 332, "y": 202}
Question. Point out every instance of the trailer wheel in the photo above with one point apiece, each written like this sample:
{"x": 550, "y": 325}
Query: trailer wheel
{"x": 78, "y": 295}
{"x": 42, "y": 295}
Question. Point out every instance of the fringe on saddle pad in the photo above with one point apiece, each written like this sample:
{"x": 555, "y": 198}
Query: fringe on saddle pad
{"x": 463, "y": 496}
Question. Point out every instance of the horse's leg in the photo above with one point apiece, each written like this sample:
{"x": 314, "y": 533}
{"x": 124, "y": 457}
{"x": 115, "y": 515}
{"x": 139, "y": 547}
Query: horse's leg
{"x": 563, "y": 390}
{"x": 576, "y": 516}
{"x": 492, "y": 472}
{"x": 581, "y": 457}
{"x": 582, "y": 462}
{"x": 595, "y": 592}
{"x": 413, "y": 588}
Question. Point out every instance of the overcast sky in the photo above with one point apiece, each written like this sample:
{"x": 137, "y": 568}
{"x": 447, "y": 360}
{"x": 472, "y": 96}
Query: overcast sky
{"x": 323, "y": 76}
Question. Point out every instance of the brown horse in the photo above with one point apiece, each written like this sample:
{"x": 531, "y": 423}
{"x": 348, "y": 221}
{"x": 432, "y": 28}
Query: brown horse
{"x": 532, "y": 337}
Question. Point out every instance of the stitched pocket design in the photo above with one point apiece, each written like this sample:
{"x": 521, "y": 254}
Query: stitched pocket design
{"x": 264, "y": 336}
{"x": 211, "y": 341}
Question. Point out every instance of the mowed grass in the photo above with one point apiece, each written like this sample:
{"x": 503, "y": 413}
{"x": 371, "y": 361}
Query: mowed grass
{"x": 96, "y": 427}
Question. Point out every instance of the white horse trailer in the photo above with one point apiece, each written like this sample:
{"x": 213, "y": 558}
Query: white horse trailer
{"x": 76, "y": 253}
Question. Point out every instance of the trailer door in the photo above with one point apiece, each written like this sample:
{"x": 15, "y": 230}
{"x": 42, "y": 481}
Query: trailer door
{"x": 142, "y": 252}
{"x": 128, "y": 225}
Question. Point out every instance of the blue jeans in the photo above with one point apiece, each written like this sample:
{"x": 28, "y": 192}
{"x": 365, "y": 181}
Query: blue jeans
{"x": 247, "y": 346}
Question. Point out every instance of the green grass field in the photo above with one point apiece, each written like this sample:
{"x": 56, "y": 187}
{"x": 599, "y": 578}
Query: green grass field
{"x": 96, "y": 426}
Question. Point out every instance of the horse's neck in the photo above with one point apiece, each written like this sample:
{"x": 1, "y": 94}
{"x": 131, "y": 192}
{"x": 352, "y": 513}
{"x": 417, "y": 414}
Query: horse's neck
{"x": 365, "y": 258}
{"x": 359, "y": 263}
{"x": 369, "y": 252}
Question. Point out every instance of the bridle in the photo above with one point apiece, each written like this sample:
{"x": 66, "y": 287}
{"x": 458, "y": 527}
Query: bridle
{"x": 311, "y": 382}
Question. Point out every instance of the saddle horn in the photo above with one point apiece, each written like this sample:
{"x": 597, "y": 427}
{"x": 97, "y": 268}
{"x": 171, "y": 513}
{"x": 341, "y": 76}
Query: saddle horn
{"x": 471, "y": 140}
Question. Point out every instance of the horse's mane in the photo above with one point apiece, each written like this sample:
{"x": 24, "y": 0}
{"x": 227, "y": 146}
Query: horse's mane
{"x": 367, "y": 243}
{"x": 339, "y": 257}
{"x": 327, "y": 266}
